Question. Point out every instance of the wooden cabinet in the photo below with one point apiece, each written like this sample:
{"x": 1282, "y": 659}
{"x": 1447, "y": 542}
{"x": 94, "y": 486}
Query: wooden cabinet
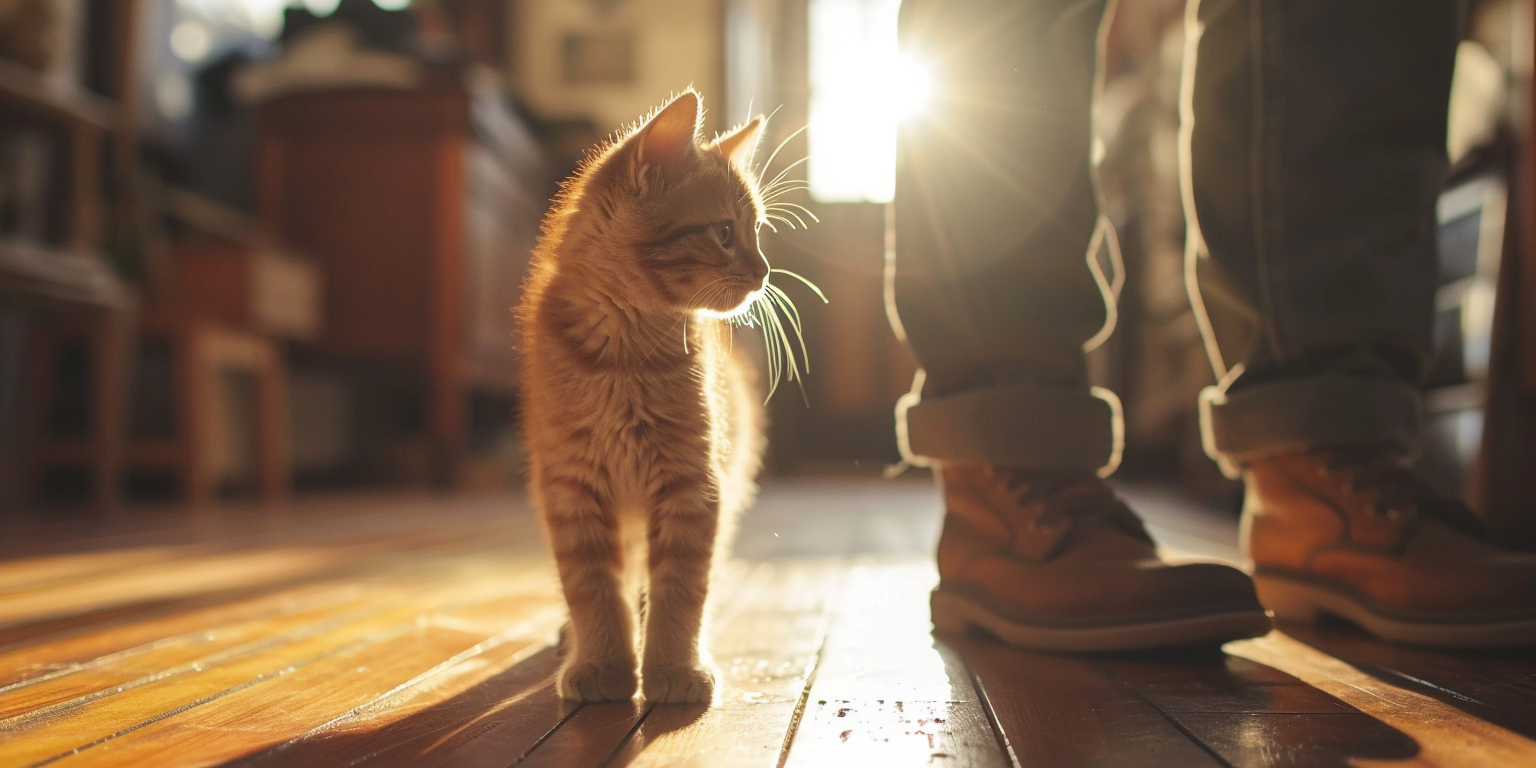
{"x": 421, "y": 208}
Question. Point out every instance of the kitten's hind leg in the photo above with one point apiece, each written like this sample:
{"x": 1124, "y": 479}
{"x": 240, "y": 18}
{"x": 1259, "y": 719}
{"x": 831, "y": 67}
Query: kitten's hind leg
{"x": 681, "y": 540}
{"x": 599, "y": 660}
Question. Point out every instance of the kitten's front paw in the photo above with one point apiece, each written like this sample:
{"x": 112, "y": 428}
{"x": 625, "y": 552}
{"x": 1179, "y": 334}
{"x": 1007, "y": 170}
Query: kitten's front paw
{"x": 679, "y": 685}
{"x": 585, "y": 681}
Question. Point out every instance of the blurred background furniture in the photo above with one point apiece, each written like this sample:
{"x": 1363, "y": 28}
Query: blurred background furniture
{"x": 210, "y": 405}
{"x": 421, "y": 207}
{"x": 68, "y": 315}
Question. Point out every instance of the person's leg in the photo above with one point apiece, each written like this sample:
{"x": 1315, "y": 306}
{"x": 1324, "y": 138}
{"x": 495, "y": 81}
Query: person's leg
{"x": 993, "y": 217}
{"x": 1315, "y": 151}
{"x": 1315, "y": 156}
{"x": 993, "y": 214}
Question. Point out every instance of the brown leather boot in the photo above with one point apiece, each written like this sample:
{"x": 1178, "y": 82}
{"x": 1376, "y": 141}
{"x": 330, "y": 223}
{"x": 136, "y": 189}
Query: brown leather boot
{"x": 1356, "y": 534}
{"x": 1057, "y": 562}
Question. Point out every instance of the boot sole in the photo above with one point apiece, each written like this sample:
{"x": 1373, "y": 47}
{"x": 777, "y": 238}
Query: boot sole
{"x": 956, "y": 614}
{"x": 1299, "y": 601}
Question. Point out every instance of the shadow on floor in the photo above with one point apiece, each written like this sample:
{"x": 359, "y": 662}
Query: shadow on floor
{"x": 511, "y": 718}
{"x": 1181, "y": 708}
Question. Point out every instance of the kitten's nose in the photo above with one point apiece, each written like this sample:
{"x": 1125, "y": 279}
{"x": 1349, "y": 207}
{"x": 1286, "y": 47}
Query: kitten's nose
{"x": 760, "y": 270}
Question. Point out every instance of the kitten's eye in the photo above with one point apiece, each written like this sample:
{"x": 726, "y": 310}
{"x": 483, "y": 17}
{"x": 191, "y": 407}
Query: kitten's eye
{"x": 725, "y": 233}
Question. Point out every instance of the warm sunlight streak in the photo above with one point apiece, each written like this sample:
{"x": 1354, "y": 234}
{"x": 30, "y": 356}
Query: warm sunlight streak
{"x": 911, "y": 87}
{"x": 861, "y": 86}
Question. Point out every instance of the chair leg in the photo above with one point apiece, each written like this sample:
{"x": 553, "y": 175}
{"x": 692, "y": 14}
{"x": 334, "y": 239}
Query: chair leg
{"x": 275, "y": 463}
{"x": 111, "y": 341}
{"x": 37, "y": 390}
{"x": 198, "y": 416}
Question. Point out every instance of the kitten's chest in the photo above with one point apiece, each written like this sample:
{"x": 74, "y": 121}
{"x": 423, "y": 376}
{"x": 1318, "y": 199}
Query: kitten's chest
{"x": 650, "y": 427}
{"x": 668, "y": 405}
{"x": 659, "y": 409}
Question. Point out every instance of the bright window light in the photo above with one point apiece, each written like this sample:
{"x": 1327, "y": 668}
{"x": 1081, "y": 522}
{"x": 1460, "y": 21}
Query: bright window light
{"x": 861, "y": 86}
{"x": 190, "y": 41}
{"x": 262, "y": 17}
{"x": 321, "y": 7}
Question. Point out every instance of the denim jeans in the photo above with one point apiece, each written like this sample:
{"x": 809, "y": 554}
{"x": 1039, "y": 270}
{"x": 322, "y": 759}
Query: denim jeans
{"x": 1313, "y": 151}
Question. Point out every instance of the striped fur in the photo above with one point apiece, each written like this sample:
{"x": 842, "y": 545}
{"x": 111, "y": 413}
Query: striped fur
{"x": 643, "y": 429}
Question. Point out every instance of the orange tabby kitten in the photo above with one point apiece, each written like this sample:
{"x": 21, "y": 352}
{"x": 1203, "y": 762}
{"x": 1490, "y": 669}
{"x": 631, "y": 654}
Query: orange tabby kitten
{"x": 643, "y": 433}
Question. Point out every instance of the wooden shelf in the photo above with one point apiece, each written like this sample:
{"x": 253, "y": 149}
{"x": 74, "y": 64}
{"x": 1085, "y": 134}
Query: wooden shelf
{"x": 50, "y": 99}
{"x": 37, "y": 270}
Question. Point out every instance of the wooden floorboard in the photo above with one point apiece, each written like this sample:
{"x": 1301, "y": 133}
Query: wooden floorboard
{"x": 1444, "y": 735}
{"x": 1496, "y": 686}
{"x": 768, "y": 648}
{"x": 1070, "y": 712}
{"x": 526, "y": 725}
{"x": 414, "y": 630}
{"x": 489, "y": 710}
{"x": 886, "y": 692}
{"x": 346, "y": 651}
{"x": 1223, "y": 702}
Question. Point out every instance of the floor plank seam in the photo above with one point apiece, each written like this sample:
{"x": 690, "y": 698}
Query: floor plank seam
{"x": 199, "y": 665}
{"x": 1379, "y": 670}
{"x": 163, "y": 608}
{"x": 1104, "y": 670}
{"x": 985, "y": 699}
{"x": 503, "y": 638}
{"x": 623, "y": 745}
{"x": 263, "y": 678}
{"x": 810, "y": 679}
{"x": 300, "y": 633}
{"x": 305, "y": 632}
{"x": 308, "y": 598}
{"x": 547, "y": 734}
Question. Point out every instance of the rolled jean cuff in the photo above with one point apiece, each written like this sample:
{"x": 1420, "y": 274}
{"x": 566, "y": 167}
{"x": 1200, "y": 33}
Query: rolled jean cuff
{"x": 1019, "y": 426}
{"x": 1284, "y": 417}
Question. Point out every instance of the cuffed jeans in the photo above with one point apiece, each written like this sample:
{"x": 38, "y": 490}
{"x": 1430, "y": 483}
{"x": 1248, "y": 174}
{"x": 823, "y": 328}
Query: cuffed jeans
{"x": 1312, "y": 154}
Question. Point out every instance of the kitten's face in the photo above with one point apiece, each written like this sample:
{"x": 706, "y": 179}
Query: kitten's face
{"x": 688, "y": 211}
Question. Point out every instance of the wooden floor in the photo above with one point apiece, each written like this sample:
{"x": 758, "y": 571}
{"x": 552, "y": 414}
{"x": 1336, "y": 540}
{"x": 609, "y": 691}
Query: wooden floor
{"x": 416, "y": 631}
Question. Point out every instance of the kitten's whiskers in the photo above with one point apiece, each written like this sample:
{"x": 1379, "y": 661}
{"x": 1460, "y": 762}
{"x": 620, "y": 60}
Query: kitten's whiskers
{"x": 803, "y": 280}
{"x": 764, "y": 312}
{"x": 803, "y": 209}
{"x": 779, "y": 177}
{"x": 769, "y": 162}
{"x": 791, "y": 214}
{"x": 780, "y": 219}
{"x": 794, "y": 185}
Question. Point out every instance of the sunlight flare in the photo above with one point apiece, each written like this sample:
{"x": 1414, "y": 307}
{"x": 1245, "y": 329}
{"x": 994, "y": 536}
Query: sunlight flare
{"x": 862, "y": 86}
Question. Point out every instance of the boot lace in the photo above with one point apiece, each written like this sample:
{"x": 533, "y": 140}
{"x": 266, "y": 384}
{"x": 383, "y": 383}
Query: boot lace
{"x": 1070, "y": 497}
{"x": 1399, "y": 490}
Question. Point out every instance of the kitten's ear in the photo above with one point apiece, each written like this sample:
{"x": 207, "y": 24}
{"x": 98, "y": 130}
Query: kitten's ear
{"x": 672, "y": 132}
{"x": 739, "y": 145}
